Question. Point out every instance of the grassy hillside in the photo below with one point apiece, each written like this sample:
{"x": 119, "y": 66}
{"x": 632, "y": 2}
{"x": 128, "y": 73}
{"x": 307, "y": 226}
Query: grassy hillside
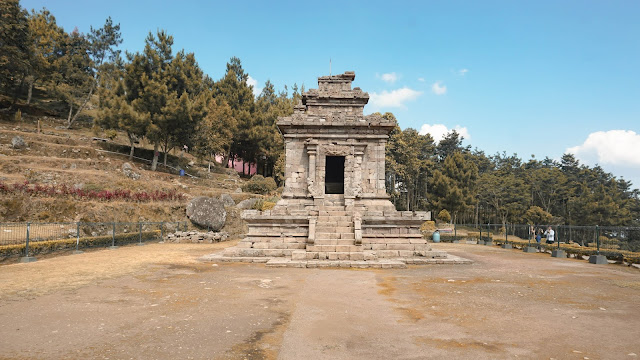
{"x": 56, "y": 157}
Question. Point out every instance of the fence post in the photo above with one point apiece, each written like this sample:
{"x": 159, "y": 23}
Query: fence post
{"x": 598, "y": 259}
{"x": 140, "y": 233}
{"x": 113, "y": 236}
{"x": 598, "y": 239}
{"x": 77, "y": 239}
{"x": 26, "y": 258}
{"x": 506, "y": 237}
{"x": 162, "y": 231}
{"x": 455, "y": 232}
{"x": 26, "y": 248}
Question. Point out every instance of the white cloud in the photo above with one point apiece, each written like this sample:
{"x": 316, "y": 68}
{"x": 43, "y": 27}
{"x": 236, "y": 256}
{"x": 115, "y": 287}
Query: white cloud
{"x": 421, "y": 79}
{"x": 439, "y": 131}
{"x": 395, "y": 98}
{"x": 462, "y": 72}
{"x": 253, "y": 82}
{"x": 615, "y": 147}
{"x": 389, "y": 77}
{"x": 617, "y": 151}
{"x": 438, "y": 89}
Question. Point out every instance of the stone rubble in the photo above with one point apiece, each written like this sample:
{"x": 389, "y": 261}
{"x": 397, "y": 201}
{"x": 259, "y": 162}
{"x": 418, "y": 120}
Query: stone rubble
{"x": 197, "y": 237}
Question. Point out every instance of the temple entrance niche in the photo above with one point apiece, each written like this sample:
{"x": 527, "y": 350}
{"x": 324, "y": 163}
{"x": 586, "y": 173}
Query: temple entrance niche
{"x": 334, "y": 178}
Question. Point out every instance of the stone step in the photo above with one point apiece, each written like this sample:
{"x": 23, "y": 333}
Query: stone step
{"x": 334, "y": 248}
{"x": 327, "y": 235}
{"x": 331, "y": 208}
{"x": 325, "y": 263}
{"x": 345, "y": 218}
{"x": 320, "y": 255}
{"x": 324, "y": 234}
{"x": 335, "y": 221}
{"x": 334, "y": 242}
{"x": 335, "y": 236}
{"x": 333, "y": 213}
{"x": 333, "y": 229}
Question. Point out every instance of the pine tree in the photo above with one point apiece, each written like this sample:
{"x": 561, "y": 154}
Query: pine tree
{"x": 454, "y": 186}
{"x": 215, "y": 131}
{"x": 15, "y": 47}
{"x": 48, "y": 42}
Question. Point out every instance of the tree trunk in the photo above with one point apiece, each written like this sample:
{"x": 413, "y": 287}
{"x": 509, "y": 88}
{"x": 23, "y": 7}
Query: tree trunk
{"x": 166, "y": 150}
{"x": 131, "y": 141}
{"x": 86, "y": 100}
{"x": 225, "y": 158}
{"x": 70, "y": 112}
{"x": 16, "y": 94}
{"x": 30, "y": 92}
{"x": 154, "y": 163}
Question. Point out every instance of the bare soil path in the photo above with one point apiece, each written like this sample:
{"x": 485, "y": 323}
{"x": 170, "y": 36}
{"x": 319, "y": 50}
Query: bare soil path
{"x": 160, "y": 302}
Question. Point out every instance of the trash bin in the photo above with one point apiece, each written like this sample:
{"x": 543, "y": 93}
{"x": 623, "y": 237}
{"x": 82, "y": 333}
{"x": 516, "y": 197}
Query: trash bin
{"x": 181, "y": 172}
{"x": 436, "y": 236}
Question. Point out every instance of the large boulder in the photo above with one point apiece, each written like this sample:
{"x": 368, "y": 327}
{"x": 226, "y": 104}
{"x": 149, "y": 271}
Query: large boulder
{"x": 128, "y": 171}
{"x": 18, "y": 143}
{"x": 247, "y": 204}
{"x": 227, "y": 200}
{"x": 207, "y": 212}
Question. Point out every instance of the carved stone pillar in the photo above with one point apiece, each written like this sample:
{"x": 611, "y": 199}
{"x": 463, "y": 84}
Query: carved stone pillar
{"x": 358, "y": 153}
{"x": 311, "y": 178}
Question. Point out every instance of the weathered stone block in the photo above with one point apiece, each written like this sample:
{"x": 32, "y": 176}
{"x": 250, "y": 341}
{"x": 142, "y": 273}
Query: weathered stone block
{"x": 299, "y": 255}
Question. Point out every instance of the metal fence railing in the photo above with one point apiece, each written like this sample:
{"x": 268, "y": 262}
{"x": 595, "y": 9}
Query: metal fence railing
{"x": 25, "y": 239}
{"x": 608, "y": 238}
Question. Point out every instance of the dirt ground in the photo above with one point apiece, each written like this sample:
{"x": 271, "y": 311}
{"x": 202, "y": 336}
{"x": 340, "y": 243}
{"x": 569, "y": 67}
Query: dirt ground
{"x": 160, "y": 302}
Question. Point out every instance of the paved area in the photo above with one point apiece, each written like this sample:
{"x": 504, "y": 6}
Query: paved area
{"x": 160, "y": 302}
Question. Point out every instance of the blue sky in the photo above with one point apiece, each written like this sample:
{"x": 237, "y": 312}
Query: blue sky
{"x": 533, "y": 78}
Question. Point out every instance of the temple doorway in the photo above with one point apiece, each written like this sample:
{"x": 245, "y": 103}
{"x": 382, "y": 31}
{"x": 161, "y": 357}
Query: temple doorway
{"x": 334, "y": 177}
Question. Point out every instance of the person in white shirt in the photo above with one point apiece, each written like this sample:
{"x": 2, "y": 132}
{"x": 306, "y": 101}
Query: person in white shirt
{"x": 550, "y": 235}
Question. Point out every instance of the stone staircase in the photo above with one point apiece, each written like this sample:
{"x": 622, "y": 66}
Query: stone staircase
{"x": 334, "y": 234}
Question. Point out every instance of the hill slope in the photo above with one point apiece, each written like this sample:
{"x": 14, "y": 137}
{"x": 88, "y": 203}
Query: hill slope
{"x": 56, "y": 157}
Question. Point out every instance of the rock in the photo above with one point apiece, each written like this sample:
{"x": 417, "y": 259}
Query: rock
{"x": 129, "y": 172}
{"x": 247, "y": 204}
{"x": 238, "y": 190}
{"x": 227, "y": 200}
{"x": 18, "y": 143}
{"x": 191, "y": 163}
{"x": 207, "y": 212}
{"x": 78, "y": 186}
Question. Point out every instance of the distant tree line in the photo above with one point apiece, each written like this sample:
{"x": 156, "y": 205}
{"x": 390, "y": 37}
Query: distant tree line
{"x": 476, "y": 188}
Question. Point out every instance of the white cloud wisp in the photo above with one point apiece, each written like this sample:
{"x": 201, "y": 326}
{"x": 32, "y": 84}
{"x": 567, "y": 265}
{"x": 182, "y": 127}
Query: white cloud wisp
{"x": 389, "y": 77}
{"x": 253, "y": 82}
{"x": 394, "y": 99}
{"x": 438, "y": 88}
{"x": 439, "y": 131}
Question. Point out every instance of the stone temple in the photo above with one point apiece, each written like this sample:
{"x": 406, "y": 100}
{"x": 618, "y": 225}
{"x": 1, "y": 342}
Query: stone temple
{"x": 334, "y": 209}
